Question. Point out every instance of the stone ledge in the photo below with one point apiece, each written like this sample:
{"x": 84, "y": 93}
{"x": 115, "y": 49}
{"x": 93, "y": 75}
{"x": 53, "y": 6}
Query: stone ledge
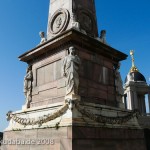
{"x": 73, "y": 118}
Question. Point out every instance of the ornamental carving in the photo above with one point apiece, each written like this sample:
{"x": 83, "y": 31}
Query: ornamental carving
{"x": 39, "y": 120}
{"x": 28, "y": 86}
{"x": 86, "y": 20}
{"x": 59, "y": 21}
{"x": 107, "y": 119}
{"x": 70, "y": 70}
{"x": 68, "y": 105}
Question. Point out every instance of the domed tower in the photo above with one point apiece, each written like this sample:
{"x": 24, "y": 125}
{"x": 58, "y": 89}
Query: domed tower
{"x": 135, "y": 88}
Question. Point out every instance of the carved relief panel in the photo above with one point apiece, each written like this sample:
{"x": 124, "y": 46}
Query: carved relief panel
{"x": 59, "y": 21}
{"x": 86, "y": 16}
{"x": 77, "y": 14}
{"x": 86, "y": 21}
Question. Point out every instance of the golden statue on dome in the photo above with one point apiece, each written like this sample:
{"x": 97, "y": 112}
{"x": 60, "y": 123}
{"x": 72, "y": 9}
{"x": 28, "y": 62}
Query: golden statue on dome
{"x": 133, "y": 68}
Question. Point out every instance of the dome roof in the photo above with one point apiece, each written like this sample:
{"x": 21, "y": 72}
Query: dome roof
{"x": 135, "y": 76}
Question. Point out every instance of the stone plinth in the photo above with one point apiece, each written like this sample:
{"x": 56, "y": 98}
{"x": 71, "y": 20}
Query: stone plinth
{"x": 75, "y": 131}
{"x": 96, "y": 72}
{"x": 50, "y": 116}
{"x": 66, "y": 117}
{"x": 81, "y": 138}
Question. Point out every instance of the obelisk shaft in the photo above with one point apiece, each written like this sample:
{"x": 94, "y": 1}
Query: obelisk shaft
{"x": 67, "y": 14}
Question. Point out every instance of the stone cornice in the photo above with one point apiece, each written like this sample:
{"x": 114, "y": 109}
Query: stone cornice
{"x": 73, "y": 36}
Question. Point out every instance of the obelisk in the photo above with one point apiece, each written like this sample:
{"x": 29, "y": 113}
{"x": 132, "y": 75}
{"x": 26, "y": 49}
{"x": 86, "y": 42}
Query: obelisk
{"x": 78, "y": 14}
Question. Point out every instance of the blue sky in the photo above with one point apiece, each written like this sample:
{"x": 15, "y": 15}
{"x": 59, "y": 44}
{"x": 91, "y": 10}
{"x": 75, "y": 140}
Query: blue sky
{"x": 127, "y": 23}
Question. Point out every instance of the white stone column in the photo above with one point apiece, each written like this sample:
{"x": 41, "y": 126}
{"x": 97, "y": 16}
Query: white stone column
{"x": 129, "y": 100}
{"x": 125, "y": 100}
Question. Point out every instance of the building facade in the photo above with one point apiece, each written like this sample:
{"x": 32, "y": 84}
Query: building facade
{"x": 136, "y": 89}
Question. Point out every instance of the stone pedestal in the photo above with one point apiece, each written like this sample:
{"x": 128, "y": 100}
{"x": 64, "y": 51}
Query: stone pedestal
{"x": 89, "y": 124}
{"x": 49, "y": 116}
{"x": 81, "y": 138}
{"x": 86, "y": 127}
{"x": 75, "y": 130}
{"x": 96, "y": 72}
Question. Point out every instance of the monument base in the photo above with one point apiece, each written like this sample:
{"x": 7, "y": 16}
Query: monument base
{"x": 70, "y": 131}
{"x": 76, "y": 138}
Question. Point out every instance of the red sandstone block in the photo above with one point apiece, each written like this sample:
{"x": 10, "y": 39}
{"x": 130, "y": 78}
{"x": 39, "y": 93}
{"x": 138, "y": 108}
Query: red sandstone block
{"x": 40, "y": 103}
{"x": 60, "y": 133}
{"x": 49, "y": 59}
{"x": 100, "y": 59}
{"x": 66, "y": 144}
{"x": 9, "y": 147}
{"x": 111, "y": 103}
{"x": 23, "y": 147}
{"x": 82, "y": 91}
{"x": 82, "y": 144}
{"x": 83, "y": 82}
{"x": 50, "y": 85}
{"x": 97, "y": 93}
{"x": 31, "y": 134}
{"x": 48, "y": 93}
{"x": 84, "y": 55}
{"x": 58, "y": 99}
{"x": 111, "y": 89}
{"x": 111, "y": 81}
{"x": 96, "y": 72}
{"x": 56, "y": 146}
{"x": 61, "y": 83}
{"x": 69, "y": 132}
{"x": 111, "y": 97}
{"x": 96, "y": 85}
{"x": 61, "y": 91}
{"x": 36, "y": 98}
{"x": 96, "y": 100}
{"x": 44, "y": 133}
{"x": 108, "y": 64}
